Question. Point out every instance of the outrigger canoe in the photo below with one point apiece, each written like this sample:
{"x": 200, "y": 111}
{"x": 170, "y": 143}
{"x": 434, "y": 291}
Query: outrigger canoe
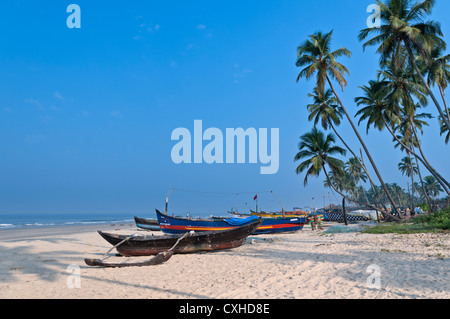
{"x": 149, "y": 245}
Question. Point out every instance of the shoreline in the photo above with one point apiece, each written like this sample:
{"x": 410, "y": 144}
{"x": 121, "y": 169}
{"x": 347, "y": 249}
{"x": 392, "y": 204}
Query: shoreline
{"x": 36, "y": 232}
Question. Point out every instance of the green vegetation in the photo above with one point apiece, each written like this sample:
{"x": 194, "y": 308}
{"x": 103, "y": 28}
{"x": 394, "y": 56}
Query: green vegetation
{"x": 412, "y": 60}
{"x": 436, "y": 222}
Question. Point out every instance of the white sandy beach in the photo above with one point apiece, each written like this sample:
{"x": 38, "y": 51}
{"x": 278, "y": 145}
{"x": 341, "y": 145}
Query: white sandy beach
{"x": 303, "y": 265}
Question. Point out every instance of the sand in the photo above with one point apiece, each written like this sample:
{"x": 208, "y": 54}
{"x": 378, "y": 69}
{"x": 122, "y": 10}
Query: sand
{"x": 49, "y": 263}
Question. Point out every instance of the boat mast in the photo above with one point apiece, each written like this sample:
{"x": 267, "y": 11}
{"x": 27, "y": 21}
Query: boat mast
{"x": 167, "y": 201}
{"x": 282, "y": 209}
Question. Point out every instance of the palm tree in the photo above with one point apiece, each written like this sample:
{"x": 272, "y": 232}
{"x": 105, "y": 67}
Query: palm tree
{"x": 376, "y": 105}
{"x": 317, "y": 149}
{"x": 407, "y": 143}
{"x": 408, "y": 167}
{"x": 432, "y": 187}
{"x": 356, "y": 172}
{"x": 343, "y": 182}
{"x": 383, "y": 110}
{"x": 438, "y": 72}
{"x": 315, "y": 54}
{"x": 316, "y": 57}
{"x": 404, "y": 27}
{"x": 324, "y": 109}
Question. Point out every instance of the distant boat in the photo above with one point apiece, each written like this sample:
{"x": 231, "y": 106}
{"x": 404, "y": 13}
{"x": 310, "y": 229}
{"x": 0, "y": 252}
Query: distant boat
{"x": 290, "y": 214}
{"x": 147, "y": 224}
{"x": 149, "y": 245}
{"x": 298, "y": 213}
{"x": 177, "y": 225}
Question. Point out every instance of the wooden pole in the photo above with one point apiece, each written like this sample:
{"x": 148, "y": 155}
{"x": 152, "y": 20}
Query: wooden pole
{"x": 282, "y": 209}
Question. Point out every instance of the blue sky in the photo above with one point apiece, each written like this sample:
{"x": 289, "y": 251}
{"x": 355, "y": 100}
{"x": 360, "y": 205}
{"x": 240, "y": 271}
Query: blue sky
{"x": 86, "y": 114}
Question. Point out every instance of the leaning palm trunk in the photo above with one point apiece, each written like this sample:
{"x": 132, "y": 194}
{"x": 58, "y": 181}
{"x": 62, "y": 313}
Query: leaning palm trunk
{"x": 422, "y": 160}
{"x": 425, "y": 84}
{"x": 372, "y": 184}
{"x": 413, "y": 207}
{"x": 441, "y": 89}
{"x": 425, "y": 193}
{"x": 376, "y": 195}
{"x": 394, "y": 207}
{"x": 440, "y": 179}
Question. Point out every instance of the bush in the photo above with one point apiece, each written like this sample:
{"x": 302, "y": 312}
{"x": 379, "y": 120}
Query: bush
{"x": 424, "y": 207}
{"x": 439, "y": 219}
{"x": 435, "y": 222}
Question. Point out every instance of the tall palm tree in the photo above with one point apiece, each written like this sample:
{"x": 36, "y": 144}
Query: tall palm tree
{"x": 438, "y": 72}
{"x": 403, "y": 26}
{"x": 408, "y": 167}
{"x": 432, "y": 187}
{"x": 318, "y": 150}
{"x": 383, "y": 110}
{"x": 376, "y": 107}
{"x": 356, "y": 172}
{"x": 316, "y": 57}
{"x": 406, "y": 141}
{"x": 354, "y": 168}
{"x": 324, "y": 109}
{"x": 343, "y": 182}
{"x": 315, "y": 54}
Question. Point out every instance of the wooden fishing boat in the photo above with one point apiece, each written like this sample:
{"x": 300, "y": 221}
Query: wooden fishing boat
{"x": 178, "y": 225}
{"x": 149, "y": 245}
{"x": 279, "y": 214}
{"x": 290, "y": 214}
{"x": 147, "y": 224}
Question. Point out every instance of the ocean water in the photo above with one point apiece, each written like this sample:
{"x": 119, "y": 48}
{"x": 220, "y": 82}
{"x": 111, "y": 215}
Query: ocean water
{"x": 18, "y": 221}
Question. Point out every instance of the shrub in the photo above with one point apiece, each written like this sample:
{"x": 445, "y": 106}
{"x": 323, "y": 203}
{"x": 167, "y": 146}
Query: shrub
{"x": 439, "y": 219}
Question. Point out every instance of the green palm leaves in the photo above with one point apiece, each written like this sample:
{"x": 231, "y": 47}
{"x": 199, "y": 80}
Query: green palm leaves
{"x": 404, "y": 28}
{"x": 315, "y": 57}
{"x": 317, "y": 150}
{"x": 412, "y": 59}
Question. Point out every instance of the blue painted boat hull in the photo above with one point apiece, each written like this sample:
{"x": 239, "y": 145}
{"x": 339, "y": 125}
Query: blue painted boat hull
{"x": 177, "y": 225}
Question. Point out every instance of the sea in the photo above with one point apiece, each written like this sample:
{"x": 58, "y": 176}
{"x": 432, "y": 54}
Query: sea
{"x": 20, "y": 221}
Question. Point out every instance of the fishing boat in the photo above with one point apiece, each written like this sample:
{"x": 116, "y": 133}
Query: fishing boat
{"x": 149, "y": 245}
{"x": 147, "y": 224}
{"x": 298, "y": 213}
{"x": 177, "y": 225}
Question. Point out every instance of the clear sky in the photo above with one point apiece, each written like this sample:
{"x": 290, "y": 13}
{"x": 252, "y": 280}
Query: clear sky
{"x": 86, "y": 115}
